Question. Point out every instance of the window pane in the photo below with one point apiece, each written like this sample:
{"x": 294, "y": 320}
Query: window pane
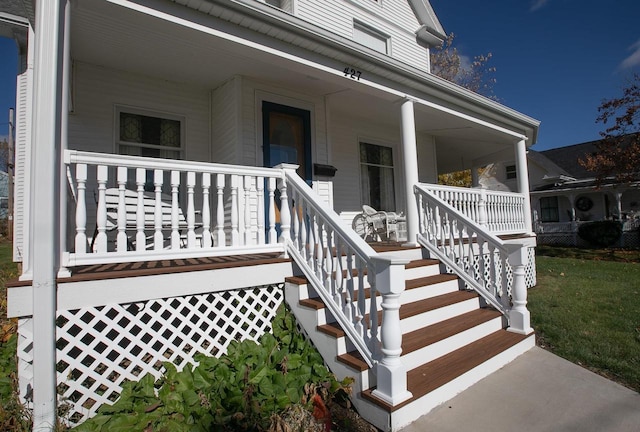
{"x": 549, "y": 209}
{"x": 377, "y": 180}
{"x": 150, "y": 136}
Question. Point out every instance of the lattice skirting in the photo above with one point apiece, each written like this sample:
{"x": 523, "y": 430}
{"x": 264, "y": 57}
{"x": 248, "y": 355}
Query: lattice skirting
{"x": 99, "y": 348}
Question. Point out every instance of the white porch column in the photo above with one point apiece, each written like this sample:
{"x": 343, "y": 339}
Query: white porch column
{"x": 410, "y": 165}
{"x": 45, "y": 202}
{"x": 523, "y": 181}
{"x": 64, "y": 125}
{"x": 475, "y": 178}
{"x": 618, "y": 195}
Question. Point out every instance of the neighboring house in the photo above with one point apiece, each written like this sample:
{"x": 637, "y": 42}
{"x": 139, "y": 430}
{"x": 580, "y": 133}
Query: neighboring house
{"x": 564, "y": 195}
{"x": 164, "y": 152}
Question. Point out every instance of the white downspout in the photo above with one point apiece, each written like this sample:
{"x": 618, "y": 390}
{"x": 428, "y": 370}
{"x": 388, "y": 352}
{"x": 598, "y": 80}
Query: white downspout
{"x": 523, "y": 182}
{"x": 45, "y": 202}
{"x": 410, "y": 165}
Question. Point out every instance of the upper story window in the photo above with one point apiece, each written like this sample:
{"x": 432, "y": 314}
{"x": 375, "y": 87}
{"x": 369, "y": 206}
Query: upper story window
{"x": 143, "y": 133}
{"x": 511, "y": 172}
{"x": 370, "y": 37}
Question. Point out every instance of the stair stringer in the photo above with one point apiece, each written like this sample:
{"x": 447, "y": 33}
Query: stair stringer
{"x": 330, "y": 348}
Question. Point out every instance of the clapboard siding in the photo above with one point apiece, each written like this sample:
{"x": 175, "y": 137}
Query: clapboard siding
{"x": 225, "y": 121}
{"x": 345, "y": 135}
{"x": 22, "y": 168}
{"x": 99, "y": 90}
{"x": 394, "y": 18}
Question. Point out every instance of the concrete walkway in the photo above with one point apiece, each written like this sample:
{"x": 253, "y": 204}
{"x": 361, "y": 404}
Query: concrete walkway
{"x": 539, "y": 391}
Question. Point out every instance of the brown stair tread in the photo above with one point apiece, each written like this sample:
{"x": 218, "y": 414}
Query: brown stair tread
{"x": 313, "y": 303}
{"x": 424, "y": 262}
{"x": 433, "y": 303}
{"x": 428, "y": 377}
{"x": 437, "y": 332}
{"x": 429, "y": 280}
{"x": 332, "y": 329}
{"x": 354, "y": 360}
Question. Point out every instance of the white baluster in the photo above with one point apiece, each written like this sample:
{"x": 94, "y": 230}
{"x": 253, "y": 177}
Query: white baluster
{"x": 260, "y": 199}
{"x": 175, "y": 222}
{"x": 81, "y": 210}
{"x": 247, "y": 211}
{"x": 140, "y": 236}
{"x": 271, "y": 187}
{"x": 101, "y": 217}
{"x": 121, "y": 240}
{"x": 206, "y": 211}
{"x": 304, "y": 250}
{"x": 191, "y": 210}
{"x": 482, "y": 209}
{"x": 295, "y": 222}
{"x": 220, "y": 236}
{"x": 235, "y": 239}
{"x": 158, "y": 238}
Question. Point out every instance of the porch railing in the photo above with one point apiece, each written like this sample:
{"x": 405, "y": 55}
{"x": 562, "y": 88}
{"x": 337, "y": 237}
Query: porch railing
{"x": 500, "y": 212}
{"x": 337, "y": 263}
{"x": 480, "y": 258}
{"x": 136, "y": 207}
{"x": 129, "y": 208}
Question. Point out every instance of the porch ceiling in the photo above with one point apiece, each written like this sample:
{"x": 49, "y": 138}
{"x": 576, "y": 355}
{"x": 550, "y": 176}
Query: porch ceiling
{"x": 107, "y": 34}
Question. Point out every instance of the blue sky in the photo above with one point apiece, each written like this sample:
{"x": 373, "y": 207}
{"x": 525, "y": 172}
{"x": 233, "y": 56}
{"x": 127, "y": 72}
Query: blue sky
{"x": 556, "y": 60}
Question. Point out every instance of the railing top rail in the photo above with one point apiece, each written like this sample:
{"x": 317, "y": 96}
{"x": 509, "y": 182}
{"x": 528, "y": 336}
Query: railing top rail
{"x": 468, "y": 190}
{"x": 359, "y": 246}
{"x": 476, "y": 227}
{"x": 107, "y": 159}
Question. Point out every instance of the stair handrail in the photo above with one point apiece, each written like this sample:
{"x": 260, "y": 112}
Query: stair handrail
{"x": 312, "y": 233}
{"x": 465, "y": 247}
{"x": 317, "y": 238}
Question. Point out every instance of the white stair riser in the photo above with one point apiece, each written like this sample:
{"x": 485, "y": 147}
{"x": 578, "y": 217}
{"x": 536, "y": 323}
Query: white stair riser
{"x": 428, "y": 291}
{"x": 411, "y": 412}
{"x": 437, "y": 315}
{"x": 450, "y": 344}
{"x": 422, "y": 271}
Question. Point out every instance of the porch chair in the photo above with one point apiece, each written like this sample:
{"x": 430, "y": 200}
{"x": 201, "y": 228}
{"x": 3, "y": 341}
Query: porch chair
{"x": 378, "y": 225}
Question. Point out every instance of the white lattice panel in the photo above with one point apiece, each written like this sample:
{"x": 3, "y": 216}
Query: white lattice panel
{"x": 98, "y": 348}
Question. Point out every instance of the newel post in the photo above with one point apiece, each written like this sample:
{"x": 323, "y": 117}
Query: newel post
{"x": 285, "y": 207}
{"x": 391, "y": 372}
{"x": 519, "y": 318}
{"x": 482, "y": 208}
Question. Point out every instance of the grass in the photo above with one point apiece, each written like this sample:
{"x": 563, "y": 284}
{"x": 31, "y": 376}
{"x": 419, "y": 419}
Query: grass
{"x": 13, "y": 415}
{"x": 586, "y": 308}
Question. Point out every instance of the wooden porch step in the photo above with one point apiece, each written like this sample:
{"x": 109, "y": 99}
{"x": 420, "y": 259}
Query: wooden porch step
{"x": 426, "y": 378}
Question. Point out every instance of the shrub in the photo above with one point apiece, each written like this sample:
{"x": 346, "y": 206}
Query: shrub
{"x": 601, "y": 233}
{"x": 240, "y": 391}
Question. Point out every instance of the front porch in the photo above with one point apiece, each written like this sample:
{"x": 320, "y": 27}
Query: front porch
{"x": 163, "y": 291}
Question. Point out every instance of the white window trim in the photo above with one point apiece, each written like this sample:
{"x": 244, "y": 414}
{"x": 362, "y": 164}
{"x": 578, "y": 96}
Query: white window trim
{"x": 374, "y": 32}
{"x": 397, "y": 174}
{"x": 149, "y": 113}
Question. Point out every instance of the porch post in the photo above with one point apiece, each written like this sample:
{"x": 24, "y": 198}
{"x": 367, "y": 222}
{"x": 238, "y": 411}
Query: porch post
{"x": 45, "y": 200}
{"x": 618, "y": 195}
{"x": 410, "y": 164}
{"x": 519, "y": 317}
{"x": 475, "y": 178}
{"x": 64, "y": 126}
{"x": 523, "y": 181}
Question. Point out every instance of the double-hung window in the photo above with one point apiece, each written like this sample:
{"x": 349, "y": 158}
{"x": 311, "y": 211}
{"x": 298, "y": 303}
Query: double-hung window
{"x": 370, "y": 37}
{"x": 143, "y": 133}
{"x": 376, "y": 174}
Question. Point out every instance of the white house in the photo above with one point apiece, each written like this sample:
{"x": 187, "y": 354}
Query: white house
{"x": 164, "y": 156}
{"x": 565, "y": 195}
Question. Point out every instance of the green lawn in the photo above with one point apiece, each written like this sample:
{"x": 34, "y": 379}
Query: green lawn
{"x": 588, "y": 311}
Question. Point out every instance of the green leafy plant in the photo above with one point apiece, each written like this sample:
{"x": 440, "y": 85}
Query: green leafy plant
{"x": 601, "y": 233}
{"x": 241, "y": 390}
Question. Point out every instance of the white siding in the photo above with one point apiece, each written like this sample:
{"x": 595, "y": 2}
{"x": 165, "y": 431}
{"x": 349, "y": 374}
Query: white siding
{"x": 345, "y": 135}
{"x": 394, "y": 18}
{"x": 225, "y": 120}
{"x": 98, "y": 90}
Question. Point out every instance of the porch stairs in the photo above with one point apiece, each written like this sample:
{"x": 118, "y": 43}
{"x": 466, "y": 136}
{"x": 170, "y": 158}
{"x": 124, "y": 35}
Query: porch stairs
{"x": 451, "y": 340}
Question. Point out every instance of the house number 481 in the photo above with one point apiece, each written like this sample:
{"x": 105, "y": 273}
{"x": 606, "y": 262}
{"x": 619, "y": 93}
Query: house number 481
{"x": 352, "y": 73}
